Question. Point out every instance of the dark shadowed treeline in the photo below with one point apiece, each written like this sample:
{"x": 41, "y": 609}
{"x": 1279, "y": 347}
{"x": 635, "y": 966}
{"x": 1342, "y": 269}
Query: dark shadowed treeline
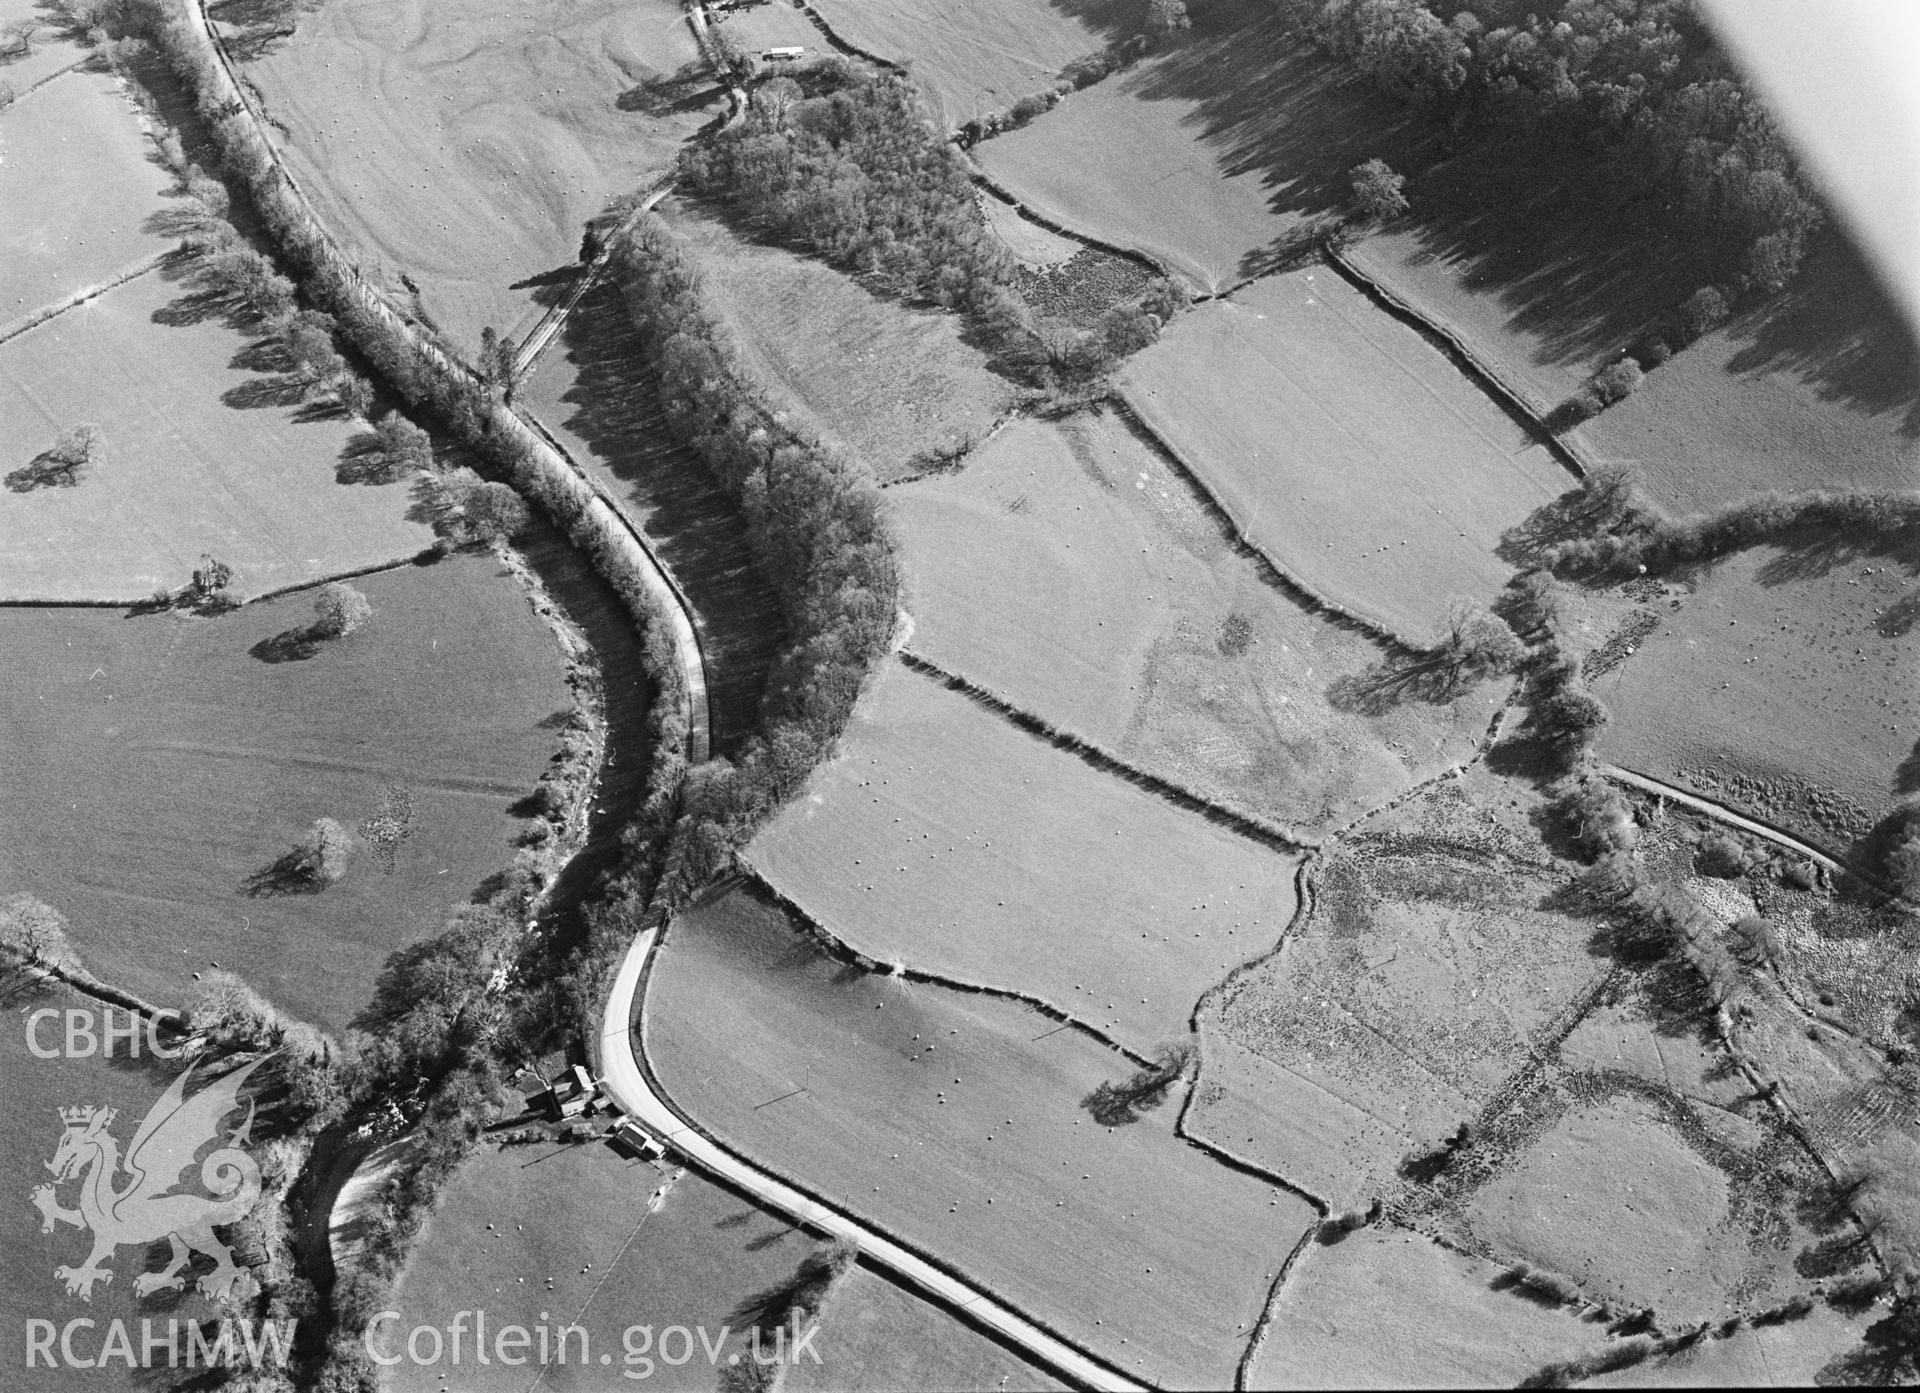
{"x": 1640, "y": 81}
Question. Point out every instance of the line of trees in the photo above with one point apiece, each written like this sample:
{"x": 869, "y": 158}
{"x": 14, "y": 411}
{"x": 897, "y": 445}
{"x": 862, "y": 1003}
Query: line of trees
{"x": 1640, "y": 79}
{"x": 817, "y": 529}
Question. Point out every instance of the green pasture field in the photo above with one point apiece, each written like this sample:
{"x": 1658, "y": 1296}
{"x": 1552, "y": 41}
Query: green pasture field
{"x": 1783, "y": 686}
{"x": 581, "y": 1235}
{"x": 1426, "y": 977}
{"x": 942, "y": 1118}
{"x": 1825, "y": 1348}
{"x": 78, "y": 182}
{"x": 892, "y": 383}
{"x": 1070, "y": 569}
{"x": 1346, "y": 446}
{"x": 1209, "y": 155}
{"x": 158, "y": 763}
{"x": 1388, "y": 1308}
{"x": 466, "y": 145}
{"x": 980, "y": 58}
{"x": 200, "y": 455}
{"x": 948, "y": 839}
{"x": 1818, "y": 387}
{"x": 1031, "y": 244}
{"x": 879, "y": 1338}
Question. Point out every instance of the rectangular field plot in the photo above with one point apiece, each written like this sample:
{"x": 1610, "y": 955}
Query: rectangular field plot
{"x": 1818, "y": 387}
{"x": 199, "y": 455}
{"x": 467, "y": 145}
{"x": 1426, "y": 977}
{"x": 879, "y": 1338}
{"x": 598, "y": 1240}
{"x": 890, "y": 382}
{"x": 938, "y": 1116}
{"x": 1784, "y": 685}
{"x": 1386, "y": 1308}
{"x": 946, "y": 838}
{"x": 979, "y": 57}
{"x": 1346, "y": 446}
{"x": 1208, "y": 154}
{"x": 158, "y": 765}
{"x": 78, "y": 182}
{"x": 1073, "y": 571}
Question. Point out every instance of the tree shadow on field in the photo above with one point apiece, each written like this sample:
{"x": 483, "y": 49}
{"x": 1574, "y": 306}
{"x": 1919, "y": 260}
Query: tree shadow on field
{"x": 1125, "y": 1102}
{"x": 1812, "y": 553}
{"x": 688, "y": 88}
{"x": 45, "y": 470}
{"x": 364, "y": 461}
{"x": 288, "y": 875}
{"x": 1393, "y": 683}
{"x": 288, "y": 646}
{"x": 550, "y": 287}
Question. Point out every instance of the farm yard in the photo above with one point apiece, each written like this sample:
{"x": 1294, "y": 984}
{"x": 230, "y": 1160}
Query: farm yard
{"x": 1072, "y": 571}
{"x": 1783, "y": 685}
{"x": 202, "y": 453}
{"x": 902, "y": 389}
{"x": 945, "y": 837}
{"x": 1345, "y": 446}
{"x": 199, "y": 749}
{"x": 1001, "y": 1171}
{"x": 467, "y": 147}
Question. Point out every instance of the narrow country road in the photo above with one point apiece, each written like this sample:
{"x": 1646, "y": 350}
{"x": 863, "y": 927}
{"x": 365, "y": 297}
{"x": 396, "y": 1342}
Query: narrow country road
{"x": 628, "y": 1085}
{"x": 1724, "y": 814}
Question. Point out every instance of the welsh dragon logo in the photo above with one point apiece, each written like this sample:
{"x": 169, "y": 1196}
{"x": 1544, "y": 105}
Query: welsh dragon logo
{"x": 151, "y": 1204}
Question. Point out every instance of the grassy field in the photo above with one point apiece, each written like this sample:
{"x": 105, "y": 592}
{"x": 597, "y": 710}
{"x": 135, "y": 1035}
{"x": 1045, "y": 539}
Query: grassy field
{"x": 202, "y": 454}
{"x": 1426, "y": 978}
{"x": 898, "y": 382}
{"x": 78, "y": 182}
{"x": 1817, "y": 388}
{"x": 880, "y": 1338}
{"x": 1801, "y": 1354}
{"x": 1783, "y": 685}
{"x": 939, "y": 1116}
{"x": 981, "y": 58}
{"x": 1385, "y": 1308}
{"x": 1072, "y": 570}
{"x": 33, "y": 1091}
{"x": 1345, "y": 445}
{"x": 1209, "y": 154}
{"x": 467, "y": 145}
{"x": 948, "y": 839}
{"x": 594, "y": 392}
{"x": 576, "y": 1234}
{"x": 190, "y": 753}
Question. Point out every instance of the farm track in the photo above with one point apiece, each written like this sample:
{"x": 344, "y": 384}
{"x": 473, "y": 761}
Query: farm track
{"x": 1245, "y": 824}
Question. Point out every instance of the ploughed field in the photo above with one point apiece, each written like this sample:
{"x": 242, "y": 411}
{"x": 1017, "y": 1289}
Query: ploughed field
{"x": 160, "y": 764}
{"x": 1345, "y": 446}
{"x": 206, "y": 448}
{"x": 1074, "y": 572}
{"x": 939, "y": 1117}
{"x": 945, "y": 837}
{"x": 467, "y": 145}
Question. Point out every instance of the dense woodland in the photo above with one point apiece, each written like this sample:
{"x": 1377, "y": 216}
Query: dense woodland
{"x": 1641, "y": 81}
